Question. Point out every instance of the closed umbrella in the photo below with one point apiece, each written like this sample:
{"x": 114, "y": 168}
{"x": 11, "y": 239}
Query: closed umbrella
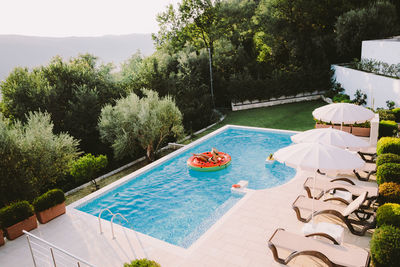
{"x": 343, "y": 113}
{"x": 330, "y": 136}
{"x": 318, "y": 157}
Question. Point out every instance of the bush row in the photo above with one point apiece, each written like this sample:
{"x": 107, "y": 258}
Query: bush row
{"x": 22, "y": 210}
{"x": 388, "y": 128}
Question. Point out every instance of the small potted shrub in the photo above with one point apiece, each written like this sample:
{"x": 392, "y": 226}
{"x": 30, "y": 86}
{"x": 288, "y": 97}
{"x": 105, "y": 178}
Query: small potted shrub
{"x": 17, "y": 217}
{"x": 1, "y": 238}
{"x": 361, "y": 129}
{"x": 49, "y": 205}
{"x": 387, "y": 158}
{"x": 385, "y": 246}
{"x": 142, "y": 263}
{"x": 388, "y": 172}
{"x": 388, "y": 128}
{"x": 388, "y": 145}
{"x": 389, "y": 192}
{"x": 388, "y": 214}
{"x": 345, "y": 127}
{"x": 321, "y": 124}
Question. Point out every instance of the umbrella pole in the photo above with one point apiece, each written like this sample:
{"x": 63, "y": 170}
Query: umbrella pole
{"x": 313, "y": 199}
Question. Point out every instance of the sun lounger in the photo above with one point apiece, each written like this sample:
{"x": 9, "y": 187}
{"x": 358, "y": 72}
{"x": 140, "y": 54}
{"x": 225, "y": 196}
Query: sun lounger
{"x": 335, "y": 186}
{"x": 364, "y": 219}
{"x": 368, "y": 157}
{"x": 333, "y": 255}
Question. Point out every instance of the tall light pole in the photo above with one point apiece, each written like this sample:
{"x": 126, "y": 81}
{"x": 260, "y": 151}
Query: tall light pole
{"x": 211, "y": 78}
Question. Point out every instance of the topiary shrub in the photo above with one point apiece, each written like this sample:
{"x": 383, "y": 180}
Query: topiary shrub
{"x": 142, "y": 263}
{"x": 385, "y": 246}
{"x": 49, "y": 199}
{"x": 388, "y": 172}
{"x": 389, "y": 192}
{"x": 15, "y": 213}
{"x": 388, "y": 214}
{"x": 396, "y": 113}
{"x": 388, "y": 145}
{"x": 388, "y": 128}
{"x": 387, "y": 158}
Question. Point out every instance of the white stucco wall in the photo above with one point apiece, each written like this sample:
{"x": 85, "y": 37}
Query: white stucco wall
{"x": 378, "y": 88}
{"x": 387, "y": 50}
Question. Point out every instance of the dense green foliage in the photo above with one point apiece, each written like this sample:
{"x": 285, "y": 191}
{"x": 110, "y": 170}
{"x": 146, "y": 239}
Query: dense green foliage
{"x": 72, "y": 92}
{"x": 389, "y": 193}
{"x": 396, "y": 113}
{"x": 32, "y": 158}
{"x": 387, "y": 158}
{"x": 15, "y": 213}
{"x": 87, "y": 167}
{"x": 388, "y": 145}
{"x": 388, "y": 214}
{"x": 376, "y": 21}
{"x": 142, "y": 263}
{"x": 49, "y": 199}
{"x": 388, "y": 128}
{"x": 386, "y": 115}
{"x": 385, "y": 246}
{"x": 388, "y": 172}
{"x": 134, "y": 122}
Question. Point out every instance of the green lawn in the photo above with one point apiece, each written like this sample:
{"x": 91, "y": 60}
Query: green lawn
{"x": 296, "y": 116}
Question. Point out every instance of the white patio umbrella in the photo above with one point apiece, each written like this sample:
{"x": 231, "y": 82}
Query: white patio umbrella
{"x": 315, "y": 157}
{"x": 330, "y": 136}
{"x": 343, "y": 113}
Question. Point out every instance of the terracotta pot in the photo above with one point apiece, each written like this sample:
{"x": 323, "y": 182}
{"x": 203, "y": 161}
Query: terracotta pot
{"x": 15, "y": 230}
{"x": 343, "y": 128}
{"x": 319, "y": 125}
{"x": 50, "y": 214}
{"x": 1, "y": 238}
{"x": 360, "y": 131}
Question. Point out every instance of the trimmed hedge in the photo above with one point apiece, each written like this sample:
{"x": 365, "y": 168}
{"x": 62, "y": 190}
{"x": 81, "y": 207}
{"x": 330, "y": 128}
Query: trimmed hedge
{"x": 388, "y": 172}
{"x": 388, "y": 128}
{"x": 142, "y": 263}
{"x": 15, "y": 213}
{"x": 386, "y": 115}
{"x": 385, "y": 246}
{"x": 387, "y": 158}
{"x": 389, "y": 192}
{"x": 388, "y": 145}
{"x": 396, "y": 113}
{"x": 49, "y": 199}
{"x": 388, "y": 214}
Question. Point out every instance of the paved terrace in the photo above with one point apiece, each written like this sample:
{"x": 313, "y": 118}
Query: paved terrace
{"x": 239, "y": 238}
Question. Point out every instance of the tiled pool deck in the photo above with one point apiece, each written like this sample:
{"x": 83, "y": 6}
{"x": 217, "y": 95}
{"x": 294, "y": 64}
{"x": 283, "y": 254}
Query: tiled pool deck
{"x": 239, "y": 238}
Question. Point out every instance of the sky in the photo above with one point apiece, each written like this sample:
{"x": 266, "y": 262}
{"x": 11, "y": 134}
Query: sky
{"x": 61, "y": 18}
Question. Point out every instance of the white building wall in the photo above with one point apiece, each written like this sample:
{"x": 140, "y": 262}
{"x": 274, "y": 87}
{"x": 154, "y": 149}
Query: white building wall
{"x": 378, "y": 88}
{"x": 387, "y": 50}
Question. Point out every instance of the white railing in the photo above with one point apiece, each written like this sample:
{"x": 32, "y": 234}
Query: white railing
{"x": 46, "y": 254}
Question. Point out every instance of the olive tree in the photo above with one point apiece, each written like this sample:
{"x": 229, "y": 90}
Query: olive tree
{"x": 135, "y": 123}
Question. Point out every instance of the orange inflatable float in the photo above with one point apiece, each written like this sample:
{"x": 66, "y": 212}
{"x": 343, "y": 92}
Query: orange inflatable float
{"x": 197, "y": 164}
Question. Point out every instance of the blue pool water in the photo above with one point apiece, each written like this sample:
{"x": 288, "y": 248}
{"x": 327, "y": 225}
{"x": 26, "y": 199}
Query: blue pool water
{"x": 177, "y": 205}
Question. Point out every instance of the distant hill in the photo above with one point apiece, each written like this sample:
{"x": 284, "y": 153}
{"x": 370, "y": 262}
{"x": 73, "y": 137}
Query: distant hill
{"x": 29, "y": 51}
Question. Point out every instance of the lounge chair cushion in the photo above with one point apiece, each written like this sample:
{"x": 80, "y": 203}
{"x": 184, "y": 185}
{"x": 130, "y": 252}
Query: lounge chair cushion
{"x": 355, "y": 204}
{"x": 345, "y": 255}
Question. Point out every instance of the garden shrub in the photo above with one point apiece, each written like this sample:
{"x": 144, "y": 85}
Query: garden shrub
{"x": 388, "y": 172}
{"x": 388, "y": 145}
{"x": 341, "y": 98}
{"x": 386, "y": 115}
{"x": 387, "y": 158}
{"x": 396, "y": 113}
{"x": 388, "y": 214}
{"x": 49, "y": 199}
{"x": 385, "y": 246}
{"x": 388, "y": 128}
{"x": 389, "y": 192}
{"x": 142, "y": 263}
{"x": 15, "y": 213}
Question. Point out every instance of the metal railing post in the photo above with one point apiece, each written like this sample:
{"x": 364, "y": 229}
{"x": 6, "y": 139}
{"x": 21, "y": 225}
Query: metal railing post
{"x": 30, "y": 248}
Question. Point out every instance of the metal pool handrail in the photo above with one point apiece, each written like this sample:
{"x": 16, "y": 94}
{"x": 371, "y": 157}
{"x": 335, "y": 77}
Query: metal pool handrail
{"x": 112, "y": 228}
{"x": 101, "y": 212}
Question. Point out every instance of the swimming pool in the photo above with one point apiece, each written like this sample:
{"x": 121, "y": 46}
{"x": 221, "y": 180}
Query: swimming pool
{"x": 177, "y": 205}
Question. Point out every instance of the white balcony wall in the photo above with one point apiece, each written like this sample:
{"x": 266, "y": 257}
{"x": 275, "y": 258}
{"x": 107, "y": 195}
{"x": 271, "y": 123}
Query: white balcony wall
{"x": 387, "y": 50}
{"x": 378, "y": 88}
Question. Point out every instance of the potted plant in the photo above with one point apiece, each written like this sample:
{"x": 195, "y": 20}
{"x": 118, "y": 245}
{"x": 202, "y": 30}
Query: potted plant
{"x": 321, "y": 124}
{"x": 17, "y": 217}
{"x": 1, "y": 238}
{"x": 49, "y": 205}
{"x": 361, "y": 129}
{"x": 344, "y": 127}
